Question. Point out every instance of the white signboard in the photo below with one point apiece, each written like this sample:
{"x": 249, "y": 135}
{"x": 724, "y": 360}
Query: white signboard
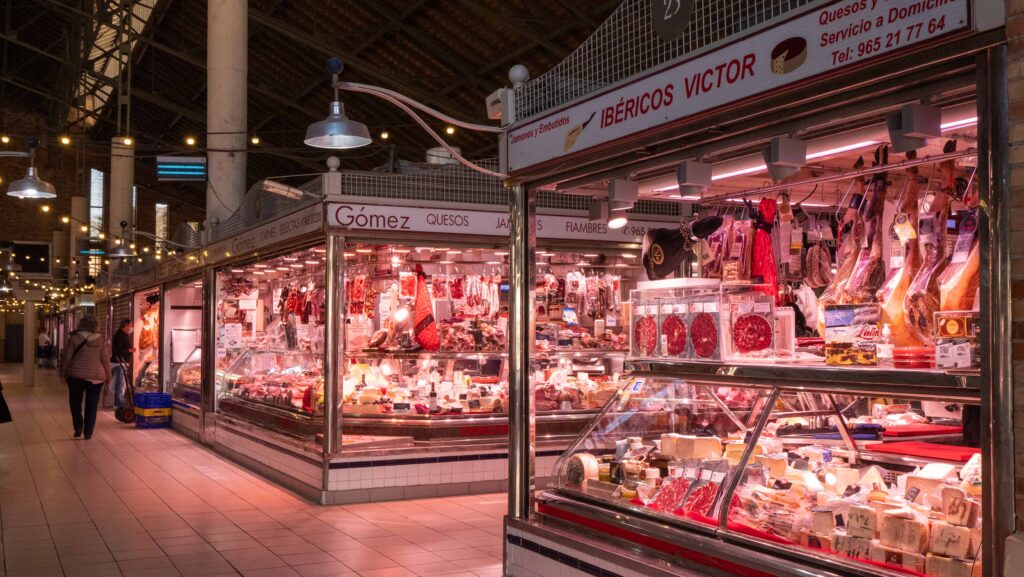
{"x": 811, "y": 46}
{"x": 305, "y": 221}
{"x": 348, "y": 216}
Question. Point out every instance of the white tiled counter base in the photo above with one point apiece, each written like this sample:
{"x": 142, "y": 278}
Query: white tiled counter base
{"x": 302, "y": 475}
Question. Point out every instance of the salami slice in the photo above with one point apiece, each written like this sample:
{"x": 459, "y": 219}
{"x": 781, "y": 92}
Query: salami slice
{"x": 674, "y": 330}
{"x": 671, "y": 494}
{"x": 751, "y": 333}
{"x": 646, "y": 335}
{"x": 701, "y": 499}
{"x": 704, "y": 335}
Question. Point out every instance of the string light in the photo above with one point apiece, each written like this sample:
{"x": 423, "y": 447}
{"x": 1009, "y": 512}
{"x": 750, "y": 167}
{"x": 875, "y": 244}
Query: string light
{"x": 255, "y": 139}
{"x": 190, "y": 140}
{"x": 65, "y": 140}
{"x": 384, "y": 135}
{"x": 450, "y": 130}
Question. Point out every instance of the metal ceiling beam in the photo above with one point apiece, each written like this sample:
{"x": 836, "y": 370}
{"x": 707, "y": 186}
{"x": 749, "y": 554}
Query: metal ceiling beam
{"x": 13, "y": 39}
{"x": 524, "y": 31}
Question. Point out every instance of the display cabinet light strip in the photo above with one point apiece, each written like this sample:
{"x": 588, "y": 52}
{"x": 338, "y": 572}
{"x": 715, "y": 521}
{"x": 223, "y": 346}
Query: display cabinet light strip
{"x": 842, "y": 149}
{"x": 959, "y": 123}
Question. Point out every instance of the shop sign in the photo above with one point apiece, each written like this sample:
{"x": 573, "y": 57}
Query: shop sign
{"x": 401, "y": 219}
{"x": 813, "y": 45}
{"x": 298, "y": 223}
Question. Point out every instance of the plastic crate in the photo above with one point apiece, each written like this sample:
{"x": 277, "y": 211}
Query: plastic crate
{"x": 154, "y": 422}
{"x": 139, "y": 412}
{"x": 153, "y": 400}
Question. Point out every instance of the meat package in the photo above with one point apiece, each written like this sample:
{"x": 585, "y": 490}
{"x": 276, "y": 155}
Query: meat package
{"x": 750, "y": 319}
{"x": 846, "y": 254}
{"x": 671, "y": 494}
{"x": 818, "y": 266}
{"x": 922, "y": 299}
{"x": 673, "y": 329}
{"x": 703, "y": 493}
{"x": 741, "y": 243}
{"x": 851, "y": 334}
{"x": 715, "y": 249}
{"x": 645, "y": 330}
{"x": 868, "y": 272}
{"x": 959, "y": 282}
{"x": 704, "y": 333}
{"x": 424, "y": 327}
{"x": 904, "y": 261}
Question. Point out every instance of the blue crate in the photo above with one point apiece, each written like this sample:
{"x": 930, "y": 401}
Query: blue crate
{"x": 153, "y": 400}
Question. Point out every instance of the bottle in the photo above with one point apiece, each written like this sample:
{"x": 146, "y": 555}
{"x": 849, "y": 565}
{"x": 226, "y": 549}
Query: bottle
{"x": 884, "y": 346}
{"x": 432, "y": 399}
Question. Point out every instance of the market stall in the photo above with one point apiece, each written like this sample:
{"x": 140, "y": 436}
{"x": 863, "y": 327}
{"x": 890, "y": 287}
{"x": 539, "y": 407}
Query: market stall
{"x": 146, "y": 338}
{"x": 808, "y": 396}
{"x": 417, "y": 413}
{"x": 181, "y": 351}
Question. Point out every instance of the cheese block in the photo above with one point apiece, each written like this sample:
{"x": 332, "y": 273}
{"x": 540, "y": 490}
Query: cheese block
{"x": 861, "y": 521}
{"x": 918, "y": 487}
{"x": 899, "y": 529}
{"x": 897, "y": 558}
{"x": 581, "y": 468}
{"x": 938, "y": 566}
{"x": 974, "y": 550}
{"x": 853, "y": 547}
{"x": 837, "y": 479}
{"x": 881, "y": 507}
{"x": 670, "y": 444}
{"x": 950, "y": 493}
{"x": 963, "y": 512}
{"x": 821, "y": 541}
{"x": 949, "y": 540}
{"x": 774, "y": 464}
{"x": 692, "y": 447}
{"x": 873, "y": 477}
{"x": 823, "y": 521}
{"x": 807, "y": 479}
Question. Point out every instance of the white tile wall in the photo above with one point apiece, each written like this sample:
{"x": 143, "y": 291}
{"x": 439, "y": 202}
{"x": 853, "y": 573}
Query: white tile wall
{"x": 307, "y": 472}
{"x": 526, "y": 563}
{"x": 428, "y": 473}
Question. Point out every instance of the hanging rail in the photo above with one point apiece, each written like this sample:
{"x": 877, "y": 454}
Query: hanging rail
{"x": 842, "y": 175}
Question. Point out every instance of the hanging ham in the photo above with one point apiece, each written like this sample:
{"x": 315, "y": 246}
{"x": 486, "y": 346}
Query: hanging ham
{"x": 959, "y": 282}
{"x": 424, "y": 327}
{"x": 846, "y": 254}
{"x": 868, "y": 273}
{"x": 904, "y": 263}
{"x": 923, "y": 295}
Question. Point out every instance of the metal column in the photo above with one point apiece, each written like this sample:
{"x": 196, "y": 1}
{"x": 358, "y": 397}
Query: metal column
{"x": 333, "y": 335}
{"x": 227, "y": 69}
{"x": 122, "y": 180}
{"x": 209, "y": 358}
{"x": 79, "y": 218}
{"x": 997, "y": 371}
{"x": 28, "y": 358}
{"x": 522, "y": 255}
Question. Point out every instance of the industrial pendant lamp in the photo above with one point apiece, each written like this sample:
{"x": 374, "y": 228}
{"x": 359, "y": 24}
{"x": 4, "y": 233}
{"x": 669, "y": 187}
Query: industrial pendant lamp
{"x": 121, "y": 249}
{"x": 31, "y": 186}
{"x": 337, "y": 131}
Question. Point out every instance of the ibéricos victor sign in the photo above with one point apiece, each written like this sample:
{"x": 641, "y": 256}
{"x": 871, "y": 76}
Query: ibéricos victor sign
{"x": 399, "y": 219}
{"x": 815, "y": 43}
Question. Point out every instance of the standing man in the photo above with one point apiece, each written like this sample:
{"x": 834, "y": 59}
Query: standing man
{"x": 44, "y": 353}
{"x": 121, "y": 352}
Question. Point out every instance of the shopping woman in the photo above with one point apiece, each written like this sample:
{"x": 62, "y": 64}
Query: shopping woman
{"x": 85, "y": 366}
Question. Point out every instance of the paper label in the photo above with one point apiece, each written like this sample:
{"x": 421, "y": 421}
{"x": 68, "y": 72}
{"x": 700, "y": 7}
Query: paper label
{"x": 666, "y": 309}
{"x": 705, "y": 475}
{"x": 968, "y": 228}
{"x": 744, "y": 308}
{"x": 610, "y": 322}
{"x": 231, "y": 336}
{"x": 679, "y": 308}
{"x": 926, "y": 229}
{"x": 903, "y": 228}
{"x": 664, "y": 344}
{"x": 897, "y": 256}
{"x": 690, "y": 473}
{"x": 762, "y": 307}
{"x": 718, "y": 477}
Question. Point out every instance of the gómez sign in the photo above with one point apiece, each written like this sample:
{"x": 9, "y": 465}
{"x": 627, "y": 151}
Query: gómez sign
{"x": 368, "y": 217}
{"x": 818, "y": 42}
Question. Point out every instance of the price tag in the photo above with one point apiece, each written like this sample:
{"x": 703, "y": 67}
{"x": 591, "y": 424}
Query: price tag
{"x": 610, "y": 322}
{"x": 666, "y": 309}
{"x": 897, "y": 255}
{"x": 718, "y": 477}
{"x": 705, "y": 475}
{"x": 638, "y": 385}
{"x": 664, "y": 345}
{"x": 903, "y": 228}
{"x": 679, "y": 308}
{"x": 762, "y": 307}
{"x": 945, "y": 355}
{"x": 711, "y": 307}
{"x": 690, "y": 473}
{"x": 744, "y": 308}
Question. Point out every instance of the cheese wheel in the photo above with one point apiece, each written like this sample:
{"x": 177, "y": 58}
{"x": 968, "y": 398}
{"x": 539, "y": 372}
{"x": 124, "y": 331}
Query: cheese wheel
{"x": 580, "y": 468}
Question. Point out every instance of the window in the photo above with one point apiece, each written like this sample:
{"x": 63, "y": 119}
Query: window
{"x": 160, "y": 221}
{"x": 95, "y": 203}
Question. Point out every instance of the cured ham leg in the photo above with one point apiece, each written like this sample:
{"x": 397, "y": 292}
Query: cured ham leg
{"x": 846, "y": 256}
{"x": 869, "y": 271}
{"x": 923, "y": 295}
{"x": 894, "y": 291}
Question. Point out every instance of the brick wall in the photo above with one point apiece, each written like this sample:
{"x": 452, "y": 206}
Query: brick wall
{"x": 1015, "y": 73}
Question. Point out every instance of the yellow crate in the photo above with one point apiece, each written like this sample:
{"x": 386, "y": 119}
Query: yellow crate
{"x": 152, "y": 412}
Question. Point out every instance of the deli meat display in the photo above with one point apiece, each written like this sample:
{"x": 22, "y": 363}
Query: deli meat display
{"x": 811, "y": 386}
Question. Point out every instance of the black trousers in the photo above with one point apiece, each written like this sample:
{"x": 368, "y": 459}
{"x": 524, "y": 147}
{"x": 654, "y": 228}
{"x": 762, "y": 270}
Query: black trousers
{"x": 77, "y": 388}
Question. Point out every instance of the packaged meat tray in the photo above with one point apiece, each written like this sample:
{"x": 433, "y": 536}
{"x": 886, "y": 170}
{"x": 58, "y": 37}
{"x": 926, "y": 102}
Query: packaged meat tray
{"x": 851, "y": 334}
{"x": 673, "y": 335}
{"x": 645, "y": 330}
{"x": 751, "y": 320}
{"x": 704, "y": 329}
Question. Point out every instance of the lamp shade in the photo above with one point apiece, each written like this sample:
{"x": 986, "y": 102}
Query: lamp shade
{"x": 31, "y": 187}
{"x": 121, "y": 251}
{"x": 337, "y": 131}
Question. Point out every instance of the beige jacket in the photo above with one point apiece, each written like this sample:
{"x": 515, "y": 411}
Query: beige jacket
{"x": 92, "y": 363}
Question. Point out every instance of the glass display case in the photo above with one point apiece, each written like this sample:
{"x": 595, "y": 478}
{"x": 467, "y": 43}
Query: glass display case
{"x": 855, "y": 481}
{"x": 280, "y": 389}
{"x": 188, "y": 378}
{"x": 426, "y": 346}
{"x": 148, "y": 380}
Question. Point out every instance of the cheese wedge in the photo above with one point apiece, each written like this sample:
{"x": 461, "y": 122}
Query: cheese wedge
{"x": 816, "y": 540}
{"x": 949, "y": 540}
{"x": 899, "y": 529}
{"x": 823, "y": 522}
{"x": 852, "y": 547}
{"x": 861, "y": 521}
{"x": 974, "y": 551}
{"x": 669, "y": 444}
{"x": 890, "y": 556}
{"x": 837, "y": 479}
{"x": 938, "y": 566}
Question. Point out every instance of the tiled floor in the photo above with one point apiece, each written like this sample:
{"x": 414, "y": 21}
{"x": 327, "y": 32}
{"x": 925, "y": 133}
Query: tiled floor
{"x": 150, "y": 503}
